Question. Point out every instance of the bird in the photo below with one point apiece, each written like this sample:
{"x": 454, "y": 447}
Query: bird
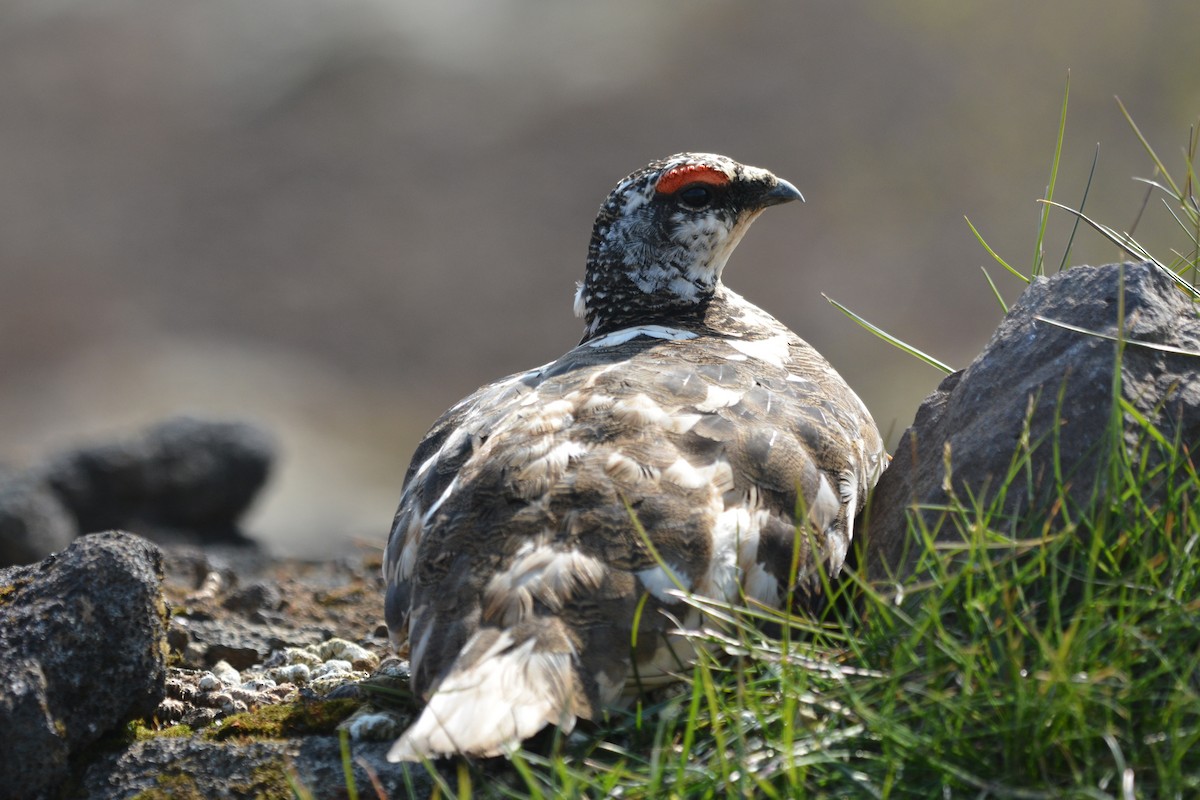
{"x": 551, "y": 524}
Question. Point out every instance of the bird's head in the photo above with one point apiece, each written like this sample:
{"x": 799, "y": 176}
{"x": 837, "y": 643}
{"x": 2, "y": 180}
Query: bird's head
{"x": 663, "y": 236}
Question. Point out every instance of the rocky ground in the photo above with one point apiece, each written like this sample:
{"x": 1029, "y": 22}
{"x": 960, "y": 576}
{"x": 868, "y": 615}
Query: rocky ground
{"x": 263, "y": 659}
{"x": 258, "y": 649}
{"x": 183, "y": 661}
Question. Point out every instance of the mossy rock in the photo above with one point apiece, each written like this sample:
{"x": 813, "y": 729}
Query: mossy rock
{"x": 298, "y": 718}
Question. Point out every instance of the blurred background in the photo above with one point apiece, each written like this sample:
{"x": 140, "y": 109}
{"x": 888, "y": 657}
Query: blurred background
{"x": 337, "y": 218}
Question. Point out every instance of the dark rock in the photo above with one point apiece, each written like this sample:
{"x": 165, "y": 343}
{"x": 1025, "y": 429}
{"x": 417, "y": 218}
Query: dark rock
{"x": 82, "y": 638}
{"x": 318, "y": 767}
{"x": 243, "y": 643}
{"x": 169, "y": 766}
{"x": 184, "y": 474}
{"x": 1053, "y": 386}
{"x": 194, "y": 767}
{"x": 237, "y": 657}
{"x": 255, "y": 597}
{"x": 40, "y": 760}
{"x": 33, "y": 521}
{"x": 178, "y": 637}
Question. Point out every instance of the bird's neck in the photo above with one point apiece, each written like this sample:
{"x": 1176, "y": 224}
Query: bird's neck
{"x": 619, "y": 298}
{"x": 719, "y": 312}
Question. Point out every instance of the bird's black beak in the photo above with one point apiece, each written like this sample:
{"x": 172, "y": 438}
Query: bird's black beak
{"x": 781, "y": 192}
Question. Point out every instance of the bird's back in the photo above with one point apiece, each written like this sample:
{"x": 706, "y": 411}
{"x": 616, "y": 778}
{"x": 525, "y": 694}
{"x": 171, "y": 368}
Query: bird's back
{"x": 540, "y": 511}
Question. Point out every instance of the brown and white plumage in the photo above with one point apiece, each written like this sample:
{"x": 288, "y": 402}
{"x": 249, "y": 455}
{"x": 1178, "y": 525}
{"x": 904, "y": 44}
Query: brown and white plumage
{"x": 515, "y": 566}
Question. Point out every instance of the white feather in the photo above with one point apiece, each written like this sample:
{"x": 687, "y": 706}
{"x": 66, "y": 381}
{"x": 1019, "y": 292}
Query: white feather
{"x": 639, "y": 411}
{"x": 761, "y": 585}
{"x": 438, "y": 503}
{"x": 506, "y": 696}
{"x": 653, "y": 331}
{"x": 773, "y": 351}
{"x": 659, "y": 581}
{"x": 546, "y": 574}
{"x": 579, "y": 306}
{"x": 825, "y": 507}
{"x": 732, "y": 525}
{"x": 718, "y": 397}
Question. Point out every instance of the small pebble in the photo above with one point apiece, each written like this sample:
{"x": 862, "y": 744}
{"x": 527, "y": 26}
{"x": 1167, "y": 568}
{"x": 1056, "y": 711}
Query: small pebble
{"x": 300, "y": 655}
{"x": 360, "y": 657}
{"x": 393, "y": 667}
{"x": 327, "y": 683}
{"x": 194, "y": 654}
{"x": 228, "y": 675}
{"x": 234, "y": 706}
{"x": 170, "y": 710}
{"x": 209, "y": 683}
{"x": 293, "y": 673}
{"x": 333, "y": 666}
{"x": 201, "y": 716}
{"x": 213, "y": 583}
{"x": 372, "y": 726}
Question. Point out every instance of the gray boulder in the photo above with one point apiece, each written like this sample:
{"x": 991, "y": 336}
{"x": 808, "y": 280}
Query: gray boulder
{"x": 82, "y": 650}
{"x": 33, "y": 521}
{"x": 184, "y": 473}
{"x": 181, "y": 480}
{"x": 1054, "y": 384}
{"x": 34, "y": 754}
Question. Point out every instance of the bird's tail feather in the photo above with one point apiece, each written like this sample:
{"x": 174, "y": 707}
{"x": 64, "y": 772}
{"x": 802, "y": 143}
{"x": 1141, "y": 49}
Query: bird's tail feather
{"x": 504, "y": 686}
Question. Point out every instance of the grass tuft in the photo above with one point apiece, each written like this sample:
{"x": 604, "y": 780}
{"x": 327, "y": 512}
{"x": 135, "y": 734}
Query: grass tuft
{"x": 890, "y": 339}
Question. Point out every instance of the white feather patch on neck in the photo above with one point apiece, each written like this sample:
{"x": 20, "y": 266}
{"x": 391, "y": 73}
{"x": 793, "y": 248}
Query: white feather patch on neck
{"x": 653, "y": 331}
{"x": 580, "y": 306}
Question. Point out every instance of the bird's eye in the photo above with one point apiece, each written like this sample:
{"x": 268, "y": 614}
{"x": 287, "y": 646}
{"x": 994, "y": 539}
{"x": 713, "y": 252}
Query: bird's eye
{"x": 696, "y": 196}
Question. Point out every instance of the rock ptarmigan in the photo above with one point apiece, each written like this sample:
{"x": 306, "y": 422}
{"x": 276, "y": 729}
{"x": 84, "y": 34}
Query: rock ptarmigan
{"x": 515, "y": 567}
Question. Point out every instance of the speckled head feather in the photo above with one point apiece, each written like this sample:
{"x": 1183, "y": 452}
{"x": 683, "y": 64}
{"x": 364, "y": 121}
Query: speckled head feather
{"x": 518, "y": 561}
{"x": 663, "y": 236}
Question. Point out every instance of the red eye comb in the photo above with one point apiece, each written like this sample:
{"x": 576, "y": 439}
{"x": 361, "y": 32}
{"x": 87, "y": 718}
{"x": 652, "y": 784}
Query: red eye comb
{"x": 690, "y": 173}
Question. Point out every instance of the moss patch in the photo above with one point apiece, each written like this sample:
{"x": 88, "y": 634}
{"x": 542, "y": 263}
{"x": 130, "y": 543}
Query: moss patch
{"x": 7, "y": 590}
{"x": 341, "y": 595}
{"x": 139, "y": 730}
{"x": 142, "y": 733}
{"x": 268, "y": 782}
{"x": 172, "y": 786}
{"x": 286, "y": 719}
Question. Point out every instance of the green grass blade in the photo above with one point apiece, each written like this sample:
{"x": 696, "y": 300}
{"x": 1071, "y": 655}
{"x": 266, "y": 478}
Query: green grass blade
{"x": 1038, "y": 250}
{"x": 1149, "y": 149}
{"x": 1082, "y": 204}
{"x": 1190, "y": 204}
{"x": 1121, "y": 240}
{"x": 523, "y": 769}
{"x": 1162, "y": 348}
{"x": 347, "y": 767}
{"x": 995, "y": 291}
{"x": 1193, "y": 234}
{"x": 1132, "y": 247}
{"x": 892, "y": 340}
{"x": 1014, "y": 272}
